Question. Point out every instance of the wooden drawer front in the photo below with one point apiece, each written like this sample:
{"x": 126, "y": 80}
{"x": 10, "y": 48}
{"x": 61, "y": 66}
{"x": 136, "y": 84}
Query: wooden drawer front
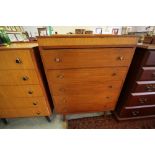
{"x": 141, "y": 99}
{"x": 86, "y": 89}
{"x": 82, "y": 76}
{"x": 25, "y": 112}
{"x": 13, "y": 103}
{"x": 145, "y": 86}
{"x": 16, "y": 59}
{"x": 150, "y": 60}
{"x": 85, "y": 103}
{"x": 18, "y": 77}
{"x": 147, "y": 74}
{"x": 21, "y": 91}
{"x": 81, "y": 58}
{"x": 137, "y": 112}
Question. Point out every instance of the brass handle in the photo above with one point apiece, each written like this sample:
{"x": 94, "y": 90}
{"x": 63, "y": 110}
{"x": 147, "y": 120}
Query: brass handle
{"x": 120, "y": 58}
{"x": 25, "y": 78}
{"x": 57, "y": 60}
{"x": 35, "y": 103}
{"x": 60, "y": 76}
{"x": 30, "y": 92}
{"x": 142, "y": 100}
{"x": 135, "y": 113}
{"x": 18, "y": 61}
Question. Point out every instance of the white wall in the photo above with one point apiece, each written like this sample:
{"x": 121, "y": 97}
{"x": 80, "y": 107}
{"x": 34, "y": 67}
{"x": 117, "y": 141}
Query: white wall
{"x": 32, "y": 30}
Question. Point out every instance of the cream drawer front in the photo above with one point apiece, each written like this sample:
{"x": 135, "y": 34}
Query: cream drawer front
{"x": 21, "y": 91}
{"x": 18, "y": 77}
{"x": 16, "y": 59}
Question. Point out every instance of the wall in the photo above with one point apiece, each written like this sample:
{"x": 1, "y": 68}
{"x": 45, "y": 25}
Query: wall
{"x": 32, "y": 30}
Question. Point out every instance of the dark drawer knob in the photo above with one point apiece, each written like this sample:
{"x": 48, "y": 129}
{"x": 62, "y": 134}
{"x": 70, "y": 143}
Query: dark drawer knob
{"x": 38, "y": 113}
{"x": 135, "y": 113}
{"x": 113, "y": 74}
{"x": 143, "y": 100}
{"x": 150, "y": 87}
{"x": 57, "y": 60}
{"x": 18, "y": 61}
{"x": 30, "y": 92}
{"x": 25, "y": 78}
{"x": 35, "y": 103}
{"x": 110, "y": 86}
{"x": 153, "y": 74}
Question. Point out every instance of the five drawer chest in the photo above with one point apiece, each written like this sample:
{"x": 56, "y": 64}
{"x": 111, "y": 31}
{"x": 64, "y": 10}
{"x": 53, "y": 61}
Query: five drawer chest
{"x": 137, "y": 99}
{"x": 85, "y": 73}
{"x": 23, "y": 90}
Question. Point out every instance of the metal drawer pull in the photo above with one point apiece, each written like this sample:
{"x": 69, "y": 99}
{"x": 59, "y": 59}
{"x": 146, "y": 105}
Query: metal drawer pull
{"x": 120, "y": 58}
{"x": 135, "y": 113}
{"x": 18, "y": 61}
{"x": 25, "y": 78}
{"x": 142, "y": 100}
{"x": 30, "y": 92}
{"x": 57, "y": 60}
{"x": 150, "y": 87}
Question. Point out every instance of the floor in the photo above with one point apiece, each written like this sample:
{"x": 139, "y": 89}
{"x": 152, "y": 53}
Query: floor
{"x": 41, "y": 122}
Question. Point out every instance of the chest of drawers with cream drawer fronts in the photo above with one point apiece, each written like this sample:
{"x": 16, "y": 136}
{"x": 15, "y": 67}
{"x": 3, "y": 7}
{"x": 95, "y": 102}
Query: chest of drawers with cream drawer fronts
{"x": 85, "y": 73}
{"x": 23, "y": 92}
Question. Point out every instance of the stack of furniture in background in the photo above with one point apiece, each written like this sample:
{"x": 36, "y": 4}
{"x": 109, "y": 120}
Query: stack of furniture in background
{"x": 137, "y": 98}
{"x": 23, "y": 88}
{"x": 86, "y": 73}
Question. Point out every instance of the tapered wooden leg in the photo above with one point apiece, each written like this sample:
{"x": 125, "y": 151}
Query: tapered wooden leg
{"x": 48, "y": 118}
{"x": 5, "y": 121}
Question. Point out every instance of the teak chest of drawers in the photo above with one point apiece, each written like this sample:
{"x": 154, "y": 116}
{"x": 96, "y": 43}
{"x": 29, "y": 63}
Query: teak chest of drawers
{"x": 137, "y": 99}
{"x": 85, "y": 73}
{"x": 22, "y": 87}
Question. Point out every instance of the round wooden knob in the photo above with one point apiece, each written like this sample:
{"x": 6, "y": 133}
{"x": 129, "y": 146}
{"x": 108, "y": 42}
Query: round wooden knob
{"x": 18, "y": 61}
{"x": 110, "y": 86}
{"x": 120, "y": 58}
{"x": 57, "y": 60}
{"x": 38, "y": 113}
{"x": 30, "y": 92}
{"x": 62, "y": 89}
{"x": 113, "y": 74}
{"x": 25, "y": 78}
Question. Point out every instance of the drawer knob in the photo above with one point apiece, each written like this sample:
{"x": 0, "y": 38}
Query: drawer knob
{"x": 113, "y": 74}
{"x": 38, "y": 113}
{"x": 153, "y": 74}
{"x": 34, "y": 103}
{"x": 57, "y": 60}
{"x": 18, "y": 61}
{"x": 62, "y": 89}
{"x": 120, "y": 58}
{"x": 142, "y": 100}
{"x": 110, "y": 86}
{"x": 60, "y": 76}
{"x": 135, "y": 113}
{"x": 150, "y": 87}
{"x": 30, "y": 92}
{"x": 25, "y": 78}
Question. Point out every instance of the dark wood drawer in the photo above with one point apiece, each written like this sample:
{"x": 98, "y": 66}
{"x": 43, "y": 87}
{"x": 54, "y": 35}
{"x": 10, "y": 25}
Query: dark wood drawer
{"x": 144, "y": 86}
{"x": 141, "y": 99}
{"x": 147, "y": 74}
{"x": 137, "y": 112}
{"x": 150, "y": 58}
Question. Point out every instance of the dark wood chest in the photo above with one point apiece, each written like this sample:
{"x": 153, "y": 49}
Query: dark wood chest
{"x": 137, "y": 99}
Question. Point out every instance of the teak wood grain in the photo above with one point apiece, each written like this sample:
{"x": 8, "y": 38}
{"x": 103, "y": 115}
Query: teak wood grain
{"x": 84, "y": 58}
{"x": 85, "y": 73}
{"x": 18, "y": 77}
{"x": 8, "y": 59}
